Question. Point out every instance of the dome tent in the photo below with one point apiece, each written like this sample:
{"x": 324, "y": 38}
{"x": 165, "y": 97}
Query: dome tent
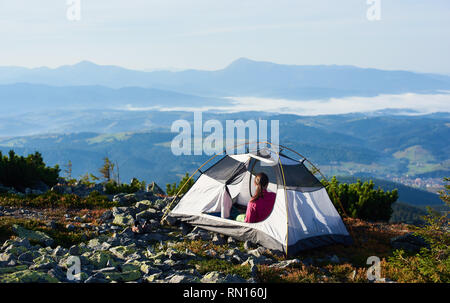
{"x": 303, "y": 215}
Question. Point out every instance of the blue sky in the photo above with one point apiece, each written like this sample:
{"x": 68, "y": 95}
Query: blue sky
{"x": 209, "y": 34}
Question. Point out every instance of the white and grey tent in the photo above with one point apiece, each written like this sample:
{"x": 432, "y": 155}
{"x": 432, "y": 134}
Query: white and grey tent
{"x": 303, "y": 215}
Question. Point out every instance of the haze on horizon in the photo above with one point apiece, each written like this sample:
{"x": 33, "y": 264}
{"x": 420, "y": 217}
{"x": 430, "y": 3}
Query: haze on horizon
{"x": 202, "y": 34}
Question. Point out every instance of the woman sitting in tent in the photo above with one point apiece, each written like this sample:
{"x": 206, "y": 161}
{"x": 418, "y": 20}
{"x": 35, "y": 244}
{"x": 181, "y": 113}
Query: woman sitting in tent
{"x": 261, "y": 204}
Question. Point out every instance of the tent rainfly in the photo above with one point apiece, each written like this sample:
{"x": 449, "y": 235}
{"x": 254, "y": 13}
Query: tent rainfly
{"x": 303, "y": 216}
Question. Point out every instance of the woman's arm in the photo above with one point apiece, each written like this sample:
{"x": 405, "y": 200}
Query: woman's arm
{"x": 250, "y": 215}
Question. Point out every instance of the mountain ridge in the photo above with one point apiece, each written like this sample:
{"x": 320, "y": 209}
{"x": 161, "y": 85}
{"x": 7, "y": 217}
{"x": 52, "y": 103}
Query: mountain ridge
{"x": 242, "y": 77}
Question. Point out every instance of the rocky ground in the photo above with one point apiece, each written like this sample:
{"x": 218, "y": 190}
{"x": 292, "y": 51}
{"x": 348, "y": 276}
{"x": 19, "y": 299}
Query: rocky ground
{"x": 109, "y": 251}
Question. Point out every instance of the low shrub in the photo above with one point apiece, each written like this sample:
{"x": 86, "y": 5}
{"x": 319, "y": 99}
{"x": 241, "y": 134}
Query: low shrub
{"x": 362, "y": 200}
{"x": 112, "y": 188}
{"x": 56, "y": 200}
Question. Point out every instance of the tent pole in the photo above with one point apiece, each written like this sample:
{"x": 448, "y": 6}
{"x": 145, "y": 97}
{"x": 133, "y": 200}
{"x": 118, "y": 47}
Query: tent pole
{"x": 182, "y": 187}
{"x": 287, "y": 204}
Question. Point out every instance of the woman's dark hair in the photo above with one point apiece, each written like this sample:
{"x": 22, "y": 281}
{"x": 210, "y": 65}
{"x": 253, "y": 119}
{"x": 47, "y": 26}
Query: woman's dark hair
{"x": 261, "y": 181}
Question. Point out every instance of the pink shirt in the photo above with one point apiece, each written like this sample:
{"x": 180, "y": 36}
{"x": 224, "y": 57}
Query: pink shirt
{"x": 259, "y": 210}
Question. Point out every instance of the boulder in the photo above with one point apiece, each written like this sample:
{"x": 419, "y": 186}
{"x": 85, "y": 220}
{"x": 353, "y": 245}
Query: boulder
{"x": 101, "y": 259}
{"x": 146, "y": 214}
{"x": 123, "y": 251}
{"x": 182, "y": 279}
{"x": 12, "y": 269}
{"x": 123, "y": 220}
{"x": 126, "y": 276}
{"x": 142, "y": 205}
{"x": 107, "y": 215}
{"x": 26, "y": 257}
{"x": 155, "y": 189}
{"x": 213, "y": 277}
{"x": 96, "y": 278}
{"x": 28, "y": 276}
{"x": 36, "y": 236}
{"x": 127, "y": 200}
{"x": 258, "y": 252}
{"x": 153, "y": 277}
{"x": 17, "y": 242}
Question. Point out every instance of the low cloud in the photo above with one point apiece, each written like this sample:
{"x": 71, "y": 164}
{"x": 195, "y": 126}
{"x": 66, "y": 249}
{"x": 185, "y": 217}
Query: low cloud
{"x": 402, "y": 104}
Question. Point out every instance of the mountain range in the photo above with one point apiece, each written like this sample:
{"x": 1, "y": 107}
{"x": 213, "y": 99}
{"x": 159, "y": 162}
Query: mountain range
{"x": 243, "y": 77}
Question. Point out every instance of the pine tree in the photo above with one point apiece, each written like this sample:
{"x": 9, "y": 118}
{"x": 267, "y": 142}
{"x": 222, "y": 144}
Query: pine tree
{"x": 107, "y": 169}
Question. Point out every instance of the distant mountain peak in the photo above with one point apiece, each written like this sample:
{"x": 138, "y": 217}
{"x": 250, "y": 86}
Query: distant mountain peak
{"x": 85, "y": 63}
{"x": 241, "y": 61}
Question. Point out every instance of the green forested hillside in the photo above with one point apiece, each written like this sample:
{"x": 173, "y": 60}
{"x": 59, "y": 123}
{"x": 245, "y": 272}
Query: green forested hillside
{"x": 341, "y": 145}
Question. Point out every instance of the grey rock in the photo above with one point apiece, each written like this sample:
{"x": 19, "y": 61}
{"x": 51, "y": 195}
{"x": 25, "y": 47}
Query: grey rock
{"x": 5, "y": 257}
{"x": 231, "y": 240}
{"x": 258, "y": 252}
{"x": 26, "y": 257}
{"x": 37, "y": 236}
{"x": 253, "y": 267}
{"x": 155, "y": 189}
{"x": 213, "y": 277}
{"x": 287, "y": 263}
{"x": 218, "y": 239}
{"x": 249, "y": 245}
{"x": 143, "y": 205}
{"x": 182, "y": 279}
{"x": 106, "y": 216}
{"x": 234, "y": 279}
{"x": 70, "y": 227}
{"x": 171, "y": 221}
{"x": 128, "y": 200}
{"x": 96, "y": 278}
{"x": 146, "y": 214}
{"x": 59, "y": 251}
{"x": 58, "y": 273}
{"x": 74, "y": 250}
{"x": 185, "y": 228}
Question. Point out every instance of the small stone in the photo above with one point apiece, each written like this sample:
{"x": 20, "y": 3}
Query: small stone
{"x": 70, "y": 227}
{"x": 287, "y": 263}
{"x": 107, "y": 215}
{"x": 249, "y": 245}
{"x": 59, "y": 251}
{"x": 213, "y": 277}
{"x": 218, "y": 239}
{"x": 181, "y": 279}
